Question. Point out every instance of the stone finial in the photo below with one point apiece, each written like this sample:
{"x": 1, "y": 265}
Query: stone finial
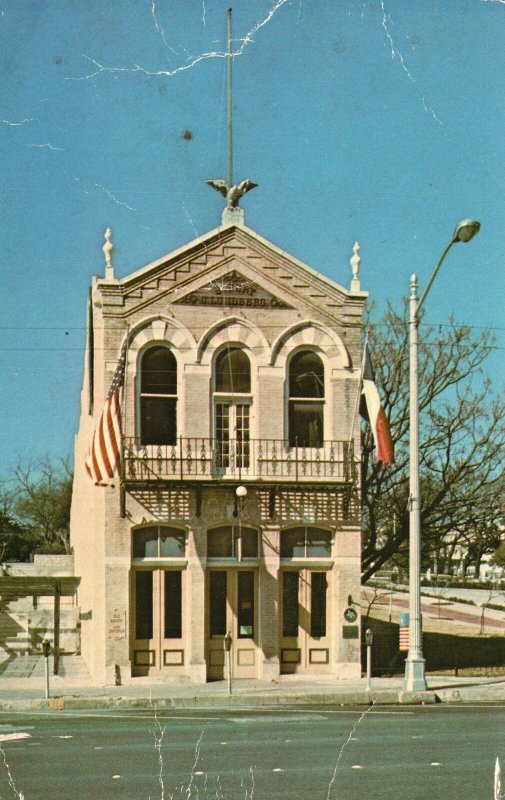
{"x": 108, "y": 249}
{"x": 355, "y": 262}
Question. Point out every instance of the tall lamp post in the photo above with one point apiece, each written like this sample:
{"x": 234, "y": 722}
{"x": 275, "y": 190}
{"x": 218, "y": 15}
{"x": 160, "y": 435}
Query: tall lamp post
{"x": 414, "y": 665}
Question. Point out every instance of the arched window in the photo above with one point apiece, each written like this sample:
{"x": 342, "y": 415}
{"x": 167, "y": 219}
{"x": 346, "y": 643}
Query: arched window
{"x": 232, "y": 541}
{"x": 158, "y": 396}
{"x": 233, "y": 371}
{"x": 306, "y": 400}
{"x": 305, "y": 542}
{"x": 158, "y": 541}
{"x": 232, "y": 376}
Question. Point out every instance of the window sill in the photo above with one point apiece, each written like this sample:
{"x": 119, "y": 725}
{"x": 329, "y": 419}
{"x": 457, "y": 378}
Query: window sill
{"x": 321, "y": 561}
{"x": 232, "y": 562}
{"x": 160, "y": 561}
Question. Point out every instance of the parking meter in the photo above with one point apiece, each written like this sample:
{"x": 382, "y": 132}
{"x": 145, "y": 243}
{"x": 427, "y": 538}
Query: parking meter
{"x": 46, "y": 649}
{"x": 368, "y": 641}
{"x": 227, "y": 647}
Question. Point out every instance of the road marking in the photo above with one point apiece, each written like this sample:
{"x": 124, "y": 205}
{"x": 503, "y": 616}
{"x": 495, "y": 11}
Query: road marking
{"x": 435, "y": 764}
{"x": 277, "y": 769}
{"x": 115, "y": 777}
{"x": 356, "y": 766}
{"x": 10, "y": 737}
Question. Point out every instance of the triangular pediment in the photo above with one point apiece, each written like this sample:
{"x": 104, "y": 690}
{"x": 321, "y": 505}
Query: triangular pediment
{"x": 234, "y": 267}
{"x": 233, "y": 290}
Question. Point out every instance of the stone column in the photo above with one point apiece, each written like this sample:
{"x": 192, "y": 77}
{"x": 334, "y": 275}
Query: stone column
{"x": 195, "y": 614}
{"x": 268, "y": 603}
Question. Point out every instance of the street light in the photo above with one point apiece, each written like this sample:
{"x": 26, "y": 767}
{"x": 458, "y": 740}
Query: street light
{"x": 414, "y": 665}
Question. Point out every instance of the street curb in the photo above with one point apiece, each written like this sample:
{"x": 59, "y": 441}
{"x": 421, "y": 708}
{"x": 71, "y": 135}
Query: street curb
{"x": 352, "y": 698}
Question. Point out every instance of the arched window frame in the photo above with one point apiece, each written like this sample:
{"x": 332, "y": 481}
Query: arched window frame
{"x": 157, "y": 529}
{"x": 300, "y": 404}
{"x": 308, "y": 535}
{"x": 239, "y": 549}
{"x": 140, "y": 396}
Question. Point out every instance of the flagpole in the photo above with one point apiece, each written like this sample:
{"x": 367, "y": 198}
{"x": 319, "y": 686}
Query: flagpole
{"x": 358, "y": 394}
{"x": 122, "y": 473}
{"x": 230, "y": 102}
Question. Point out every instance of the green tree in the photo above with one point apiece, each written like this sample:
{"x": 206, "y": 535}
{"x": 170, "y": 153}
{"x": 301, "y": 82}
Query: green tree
{"x": 462, "y": 444}
{"x": 498, "y": 557}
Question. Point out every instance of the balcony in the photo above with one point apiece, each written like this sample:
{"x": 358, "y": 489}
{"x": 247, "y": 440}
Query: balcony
{"x": 258, "y": 460}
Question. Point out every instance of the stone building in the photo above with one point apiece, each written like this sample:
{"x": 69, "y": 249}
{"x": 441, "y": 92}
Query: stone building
{"x": 236, "y": 507}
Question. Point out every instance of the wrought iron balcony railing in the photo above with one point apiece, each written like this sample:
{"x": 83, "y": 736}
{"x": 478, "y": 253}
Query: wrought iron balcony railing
{"x": 237, "y": 459}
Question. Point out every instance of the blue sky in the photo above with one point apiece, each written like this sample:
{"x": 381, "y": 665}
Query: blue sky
{"x": 380, "y": 121}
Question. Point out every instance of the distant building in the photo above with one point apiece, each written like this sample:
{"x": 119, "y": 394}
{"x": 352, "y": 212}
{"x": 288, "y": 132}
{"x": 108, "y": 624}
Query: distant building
{"x": 236, "y": 507}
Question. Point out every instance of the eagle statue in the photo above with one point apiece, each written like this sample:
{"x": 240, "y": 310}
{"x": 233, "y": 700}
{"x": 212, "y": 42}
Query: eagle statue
{"x": 233, "y": 193}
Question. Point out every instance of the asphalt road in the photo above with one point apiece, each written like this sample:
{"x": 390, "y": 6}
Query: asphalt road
{"x": 418, "y": 753}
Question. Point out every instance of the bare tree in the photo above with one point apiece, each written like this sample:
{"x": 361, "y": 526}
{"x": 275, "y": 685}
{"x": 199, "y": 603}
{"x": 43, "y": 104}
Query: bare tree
{"x": 373, "y": 595}
{"x": 43, "y": 494}
{"x": 462, "y": 443}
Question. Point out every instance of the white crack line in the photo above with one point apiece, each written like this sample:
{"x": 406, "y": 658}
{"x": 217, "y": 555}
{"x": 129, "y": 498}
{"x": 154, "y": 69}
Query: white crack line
{"x": 49, "y": 146}
{"x": 203, "y": 14}
{"x": 493, "y": 1}
{"x": 190, "y": 220}
{"x": 114, "y": 198}
{"x": 430, "y": 111}
{"x": 16, "y": 124}
{"x": 19, "y": 795}
{"x": 250, "y": 796}
{"x": 159, "y": 28}
{"x": 189, "y": 788}
{"x": 158, "y": 735}
{"x": 193, "y": 61}
{"x": 394, "y": 52}
{"x": 350, "y": 738}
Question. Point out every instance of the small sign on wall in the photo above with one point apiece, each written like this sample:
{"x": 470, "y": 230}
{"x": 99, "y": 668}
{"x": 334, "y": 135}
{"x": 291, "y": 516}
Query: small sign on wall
{"x": 350, "y": 631}
{"x": 350, "y": 614}
{"x": 117, "y": 625}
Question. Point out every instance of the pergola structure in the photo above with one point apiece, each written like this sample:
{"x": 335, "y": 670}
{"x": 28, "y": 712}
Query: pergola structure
{"x": 14, "y": 586}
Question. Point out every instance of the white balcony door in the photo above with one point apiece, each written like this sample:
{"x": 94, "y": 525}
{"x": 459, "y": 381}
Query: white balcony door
{"x": 232, "y": 426}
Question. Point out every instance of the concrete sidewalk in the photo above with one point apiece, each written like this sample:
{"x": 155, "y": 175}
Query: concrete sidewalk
{"x": 22, "y": 687}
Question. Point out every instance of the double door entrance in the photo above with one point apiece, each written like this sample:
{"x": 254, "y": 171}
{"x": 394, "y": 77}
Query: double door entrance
{"x": 304, "y": 621}
{"x": 232, "y": 599}
{"x": 157, "y": 641}
{"x": 160, "y": 625}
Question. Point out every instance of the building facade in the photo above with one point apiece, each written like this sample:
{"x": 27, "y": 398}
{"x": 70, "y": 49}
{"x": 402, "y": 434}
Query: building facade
{"x": 236, "y": 507}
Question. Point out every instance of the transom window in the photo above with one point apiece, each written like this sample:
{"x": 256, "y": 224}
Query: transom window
{"x": 158, "y": 541}
{"x": 233, "y": 371}
{"x": 158, "y": 396}
{"x": 306, "y": 400}
{"x": 232, "y": 541}
{"x": 305, "y": 543}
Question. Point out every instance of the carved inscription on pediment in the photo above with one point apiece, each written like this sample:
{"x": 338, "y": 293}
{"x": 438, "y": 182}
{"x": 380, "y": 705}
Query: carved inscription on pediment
{"x": 233, "y": 289}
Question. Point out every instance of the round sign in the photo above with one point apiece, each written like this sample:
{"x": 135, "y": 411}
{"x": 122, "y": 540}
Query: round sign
{"x": 351, "y": 615}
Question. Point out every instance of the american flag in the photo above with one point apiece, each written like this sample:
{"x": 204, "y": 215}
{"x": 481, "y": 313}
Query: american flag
{"x": 104, "y": 454}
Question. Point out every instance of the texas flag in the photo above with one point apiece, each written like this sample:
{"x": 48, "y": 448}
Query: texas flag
{"x": 370, "y": 409}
